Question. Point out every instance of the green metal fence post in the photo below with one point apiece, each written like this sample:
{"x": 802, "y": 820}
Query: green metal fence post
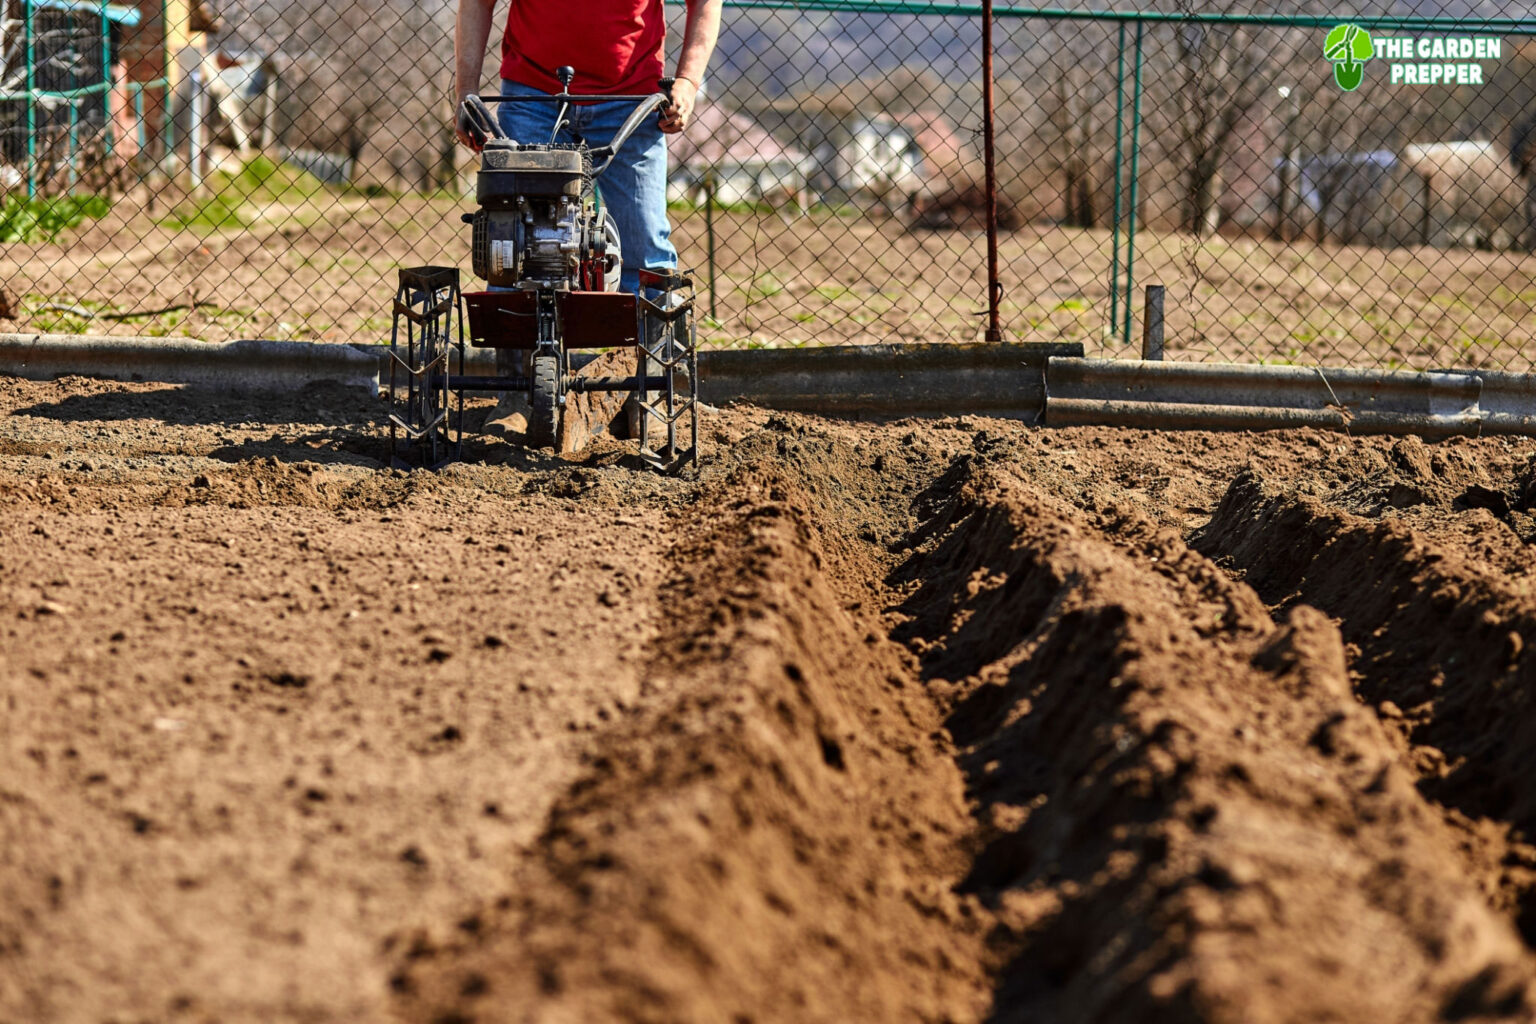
{"x": 106, "y": 80}
{"x": 1114, "y": 233}
{"x": 1130, "y": 228}
{"x": 31, "y": 81}
{"x": 74, "y": 145}
{"x": 138, "y": 123}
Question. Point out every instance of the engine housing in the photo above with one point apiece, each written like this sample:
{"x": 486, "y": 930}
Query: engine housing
{"x": 539, "y": 224}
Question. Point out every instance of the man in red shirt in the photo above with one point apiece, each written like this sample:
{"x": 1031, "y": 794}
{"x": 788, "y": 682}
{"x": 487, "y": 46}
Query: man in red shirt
{"x": 616, "y": 47}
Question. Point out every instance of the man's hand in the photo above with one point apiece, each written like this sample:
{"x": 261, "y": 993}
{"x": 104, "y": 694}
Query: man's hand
{"x": 461, "y": 127}
{"x": 474, "y": 125}
{"x": 675, "y": 118}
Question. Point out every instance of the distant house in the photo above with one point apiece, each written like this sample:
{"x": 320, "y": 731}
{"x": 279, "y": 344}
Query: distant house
{"x": 876, "y": 158}
{"x": 748, "y": 163}
{"x": 942, "y": 153}
{"x": 1475, "y": 195}
{"x": 951, "y": 193}
{"x": 858, "y": 154}
{"x": 1444, "y": 194}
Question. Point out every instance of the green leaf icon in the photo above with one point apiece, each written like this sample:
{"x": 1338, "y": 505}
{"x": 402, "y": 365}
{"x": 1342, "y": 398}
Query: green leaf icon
{"x": 1348, "y": 43}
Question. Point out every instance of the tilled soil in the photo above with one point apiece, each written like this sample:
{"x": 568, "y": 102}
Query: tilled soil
{"x": 948, "y": 720}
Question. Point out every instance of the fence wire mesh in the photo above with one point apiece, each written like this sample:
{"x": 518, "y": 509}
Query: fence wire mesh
{"x": 260, "y": 168}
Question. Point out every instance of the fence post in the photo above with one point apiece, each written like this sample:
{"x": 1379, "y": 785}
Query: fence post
{"x": 994, "y": 286}
{"x": 195, "y": 129}
{"x": 1152, "y": 324}
{"x": 106, "y": 82}
{"x": 138, "y": 124}
{"x": 1114, "y": 231}
{"x": 709, "y": 232}
{"x": 31, "y": 80}
{"x": 1130, "y": 229}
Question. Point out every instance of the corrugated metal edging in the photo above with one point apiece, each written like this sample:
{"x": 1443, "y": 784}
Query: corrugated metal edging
{"x": 229, "y": 365}
{"x": 1230, "y": 396}
{"x": 1020, "y": 381}
{"x": 1508, "y": 402}
{"x": 860, "y": 381}
{"x": 988, "y": 379}
{"x": 873, "y": 381}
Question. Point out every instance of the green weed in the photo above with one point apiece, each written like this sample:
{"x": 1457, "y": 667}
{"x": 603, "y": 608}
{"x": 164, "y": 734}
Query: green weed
{"x": 43, "y": 220}
{"x": 263, "y": 180}
{"x": 763, "y": 286}
{"x": 217, "y": 212}
{"x": 259, "y": 181}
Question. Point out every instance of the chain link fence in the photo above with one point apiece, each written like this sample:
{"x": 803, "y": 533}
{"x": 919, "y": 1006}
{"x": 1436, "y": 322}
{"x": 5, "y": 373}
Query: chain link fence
{"x": 261, "y": 169}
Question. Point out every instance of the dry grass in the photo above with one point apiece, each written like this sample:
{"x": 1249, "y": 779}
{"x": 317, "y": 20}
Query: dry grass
{"x": 320, "y": 266}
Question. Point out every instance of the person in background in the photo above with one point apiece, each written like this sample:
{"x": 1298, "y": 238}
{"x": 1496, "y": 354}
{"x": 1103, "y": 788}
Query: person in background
{"x": 617, "y": 48}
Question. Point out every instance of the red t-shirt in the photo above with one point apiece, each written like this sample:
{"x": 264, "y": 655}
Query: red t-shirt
{"x": 614, "y": 45}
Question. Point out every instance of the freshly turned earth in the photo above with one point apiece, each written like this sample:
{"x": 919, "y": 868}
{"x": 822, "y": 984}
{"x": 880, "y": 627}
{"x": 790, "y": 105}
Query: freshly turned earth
{"x": 940, "y": 720}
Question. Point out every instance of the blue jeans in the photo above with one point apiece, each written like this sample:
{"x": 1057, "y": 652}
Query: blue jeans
{"x": 633, "y": 188}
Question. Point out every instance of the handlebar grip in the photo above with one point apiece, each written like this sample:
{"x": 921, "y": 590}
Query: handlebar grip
{"x": 666, "y": 85}
{"x": 478, "y": 122}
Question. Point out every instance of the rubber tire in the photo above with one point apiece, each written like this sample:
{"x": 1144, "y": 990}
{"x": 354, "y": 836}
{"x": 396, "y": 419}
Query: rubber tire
{"x": 544, "y": 402}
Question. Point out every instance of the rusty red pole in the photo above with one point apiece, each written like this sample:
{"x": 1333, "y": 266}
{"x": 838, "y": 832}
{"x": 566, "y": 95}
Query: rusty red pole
{"x": 994, "y": 287}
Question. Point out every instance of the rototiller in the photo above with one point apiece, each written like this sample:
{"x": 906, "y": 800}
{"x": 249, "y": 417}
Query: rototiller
{"x": 546, "y": 247}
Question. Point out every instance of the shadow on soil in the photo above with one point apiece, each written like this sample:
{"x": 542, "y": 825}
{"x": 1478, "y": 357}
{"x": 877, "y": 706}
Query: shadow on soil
{"x": 323, "y": 404}
{"x": 322, "y": 423}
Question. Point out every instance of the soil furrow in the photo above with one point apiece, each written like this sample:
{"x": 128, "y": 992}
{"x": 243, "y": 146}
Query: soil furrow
{"x": 779, "y": 841}
{"x": 1190, "y": 816}
{"x": 1442, "y": 645}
